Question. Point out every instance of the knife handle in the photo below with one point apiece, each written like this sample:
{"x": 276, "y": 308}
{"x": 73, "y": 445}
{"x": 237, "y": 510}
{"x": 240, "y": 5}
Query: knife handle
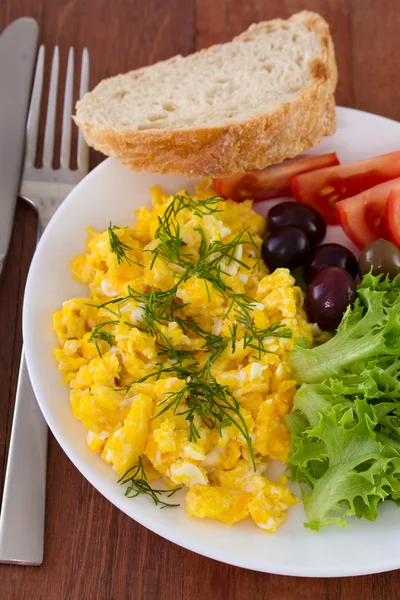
{"x": 22, "y": 511}
{"x": 18, "y": 44}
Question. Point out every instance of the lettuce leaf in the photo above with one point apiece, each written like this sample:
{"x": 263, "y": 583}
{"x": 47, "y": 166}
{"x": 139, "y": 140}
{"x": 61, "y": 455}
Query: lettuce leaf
{"x": 345, "y": 423}
{"x": 371, "y": 328}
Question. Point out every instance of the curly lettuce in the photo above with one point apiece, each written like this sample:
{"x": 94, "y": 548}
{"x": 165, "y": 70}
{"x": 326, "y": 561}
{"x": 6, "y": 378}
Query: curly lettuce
{"x": 345, "y": 423}
{"x": 371, "y": 328}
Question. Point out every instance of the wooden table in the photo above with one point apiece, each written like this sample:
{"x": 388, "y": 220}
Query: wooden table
{"x": 93, "y": 551}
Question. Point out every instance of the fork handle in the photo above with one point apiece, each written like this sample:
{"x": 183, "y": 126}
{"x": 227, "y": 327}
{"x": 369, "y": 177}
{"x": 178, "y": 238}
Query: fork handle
{"x": 22, "y": 511}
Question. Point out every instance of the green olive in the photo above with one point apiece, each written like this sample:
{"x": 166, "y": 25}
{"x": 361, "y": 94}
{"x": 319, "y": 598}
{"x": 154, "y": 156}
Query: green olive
{"x": 382, "y": 256}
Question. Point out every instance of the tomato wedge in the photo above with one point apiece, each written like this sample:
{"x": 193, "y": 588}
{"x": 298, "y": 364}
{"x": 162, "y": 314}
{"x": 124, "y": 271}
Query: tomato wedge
{"x": 272, "y": 182}
{"x": 322, "y": 189}
{"x": 392, "y": 216}
{"x": 363, "y": 216}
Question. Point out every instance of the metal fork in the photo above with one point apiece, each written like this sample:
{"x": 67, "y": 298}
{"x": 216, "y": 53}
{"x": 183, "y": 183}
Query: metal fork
{"x": 23, "y": 508}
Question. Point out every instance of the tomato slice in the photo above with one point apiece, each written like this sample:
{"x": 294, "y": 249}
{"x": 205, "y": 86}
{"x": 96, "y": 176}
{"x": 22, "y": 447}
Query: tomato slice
{"x": 322, "y": 189}
{"x": 375, "y": 218}
{"x": 272, "y": 182}
{"x": 363, "y": 216}
{"x": 392, "y": 216}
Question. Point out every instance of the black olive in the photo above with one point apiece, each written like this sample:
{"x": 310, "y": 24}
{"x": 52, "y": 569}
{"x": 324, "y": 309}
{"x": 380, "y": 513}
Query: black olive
{"x": 293, "y": 214}
{"x": 328, "y": 295}
{"x": 287, "y": 248}
{"x": 329, "y": 255}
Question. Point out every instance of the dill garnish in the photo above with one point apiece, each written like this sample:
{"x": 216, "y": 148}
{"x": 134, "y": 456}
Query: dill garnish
{"x": 168, "y": 232}
{"x": 213, "y": 402}
{"x": 119, "y": 248}
{"x": 172, "y": 248}
{"x": 138, "y": 484}
{"x": 253, "y": 336}
{"x": 98, "y": 333}
{"x": 201, "y": 399}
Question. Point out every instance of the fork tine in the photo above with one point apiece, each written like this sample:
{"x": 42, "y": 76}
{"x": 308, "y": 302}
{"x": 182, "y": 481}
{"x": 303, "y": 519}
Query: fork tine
{"x": 51, "y": 112}
{"x": 32, "y": 126}
{"x": 83, "y": 149}
{"x": 67, "y": 111}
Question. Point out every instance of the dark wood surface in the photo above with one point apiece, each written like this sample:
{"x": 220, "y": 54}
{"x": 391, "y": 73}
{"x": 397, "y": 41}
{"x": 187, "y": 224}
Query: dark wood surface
{"x": 92, "y": 550}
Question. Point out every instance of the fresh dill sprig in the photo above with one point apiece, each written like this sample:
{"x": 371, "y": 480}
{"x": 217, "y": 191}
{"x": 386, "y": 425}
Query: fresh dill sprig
{"x": 205, "y": 269}
{"x": 201, "y": 395}
{"x": 200, "y": 208}
{"x": 171, "y": 246}
{"x": 219, "y": 250}
{"x": 168, "y": 233}
{"x": 118, "y": 302}
{"x": 98, "y": 333}
{"x": 158, "y": 307}
{"x": 173, "y": 353}
{"x": 176, "y": 369}
{"x": 138, "y": 484}
{"x": 253, "y": 336}
{"x": 233, "y": 332}
{"x": 213, "y": 402}
{"x": 120, "y": 248}
{"x": 211, "y": 340}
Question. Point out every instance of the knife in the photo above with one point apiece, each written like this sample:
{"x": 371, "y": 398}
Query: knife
{"x": 18, "y": 45}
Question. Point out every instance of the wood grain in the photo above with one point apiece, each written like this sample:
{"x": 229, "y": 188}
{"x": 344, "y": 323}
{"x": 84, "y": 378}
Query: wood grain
{"x": 93, "y": 551}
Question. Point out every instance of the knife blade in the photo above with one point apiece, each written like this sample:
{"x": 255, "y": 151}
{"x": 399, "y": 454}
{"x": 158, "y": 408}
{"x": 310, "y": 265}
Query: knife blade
{"x": 18, "y": 46}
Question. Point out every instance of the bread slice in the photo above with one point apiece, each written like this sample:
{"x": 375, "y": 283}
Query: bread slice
{"x": 264, "y": 97}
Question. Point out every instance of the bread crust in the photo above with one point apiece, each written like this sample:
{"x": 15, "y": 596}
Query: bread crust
{"x": 239, "y": 146}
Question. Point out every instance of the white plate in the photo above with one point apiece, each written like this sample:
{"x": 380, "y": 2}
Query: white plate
{"x": 112, "y": 192}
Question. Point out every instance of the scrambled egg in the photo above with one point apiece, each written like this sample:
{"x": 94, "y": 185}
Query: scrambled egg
{"x": 107, "y": 356}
